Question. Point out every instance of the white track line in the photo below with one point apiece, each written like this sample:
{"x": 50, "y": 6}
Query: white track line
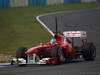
{"x": 4, "y": 64}
{"x": 38, "y": 19}
{"x": 69, "y": 11}
{"x": 44, "y": 25}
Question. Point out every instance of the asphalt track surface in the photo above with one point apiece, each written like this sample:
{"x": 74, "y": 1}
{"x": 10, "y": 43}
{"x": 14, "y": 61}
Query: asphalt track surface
{"x": 88, "y": 20}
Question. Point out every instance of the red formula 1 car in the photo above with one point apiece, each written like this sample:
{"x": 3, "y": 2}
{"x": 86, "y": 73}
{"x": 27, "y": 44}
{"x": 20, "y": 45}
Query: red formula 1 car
{"x": 62, "y": 48}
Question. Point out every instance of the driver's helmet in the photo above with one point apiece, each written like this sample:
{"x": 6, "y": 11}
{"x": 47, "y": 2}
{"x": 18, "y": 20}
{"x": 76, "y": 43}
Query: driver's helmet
{"x": 53, "y": 41}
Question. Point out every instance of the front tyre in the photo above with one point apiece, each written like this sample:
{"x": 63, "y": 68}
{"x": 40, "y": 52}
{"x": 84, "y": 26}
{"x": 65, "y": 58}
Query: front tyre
{"x": 20, "y": 53}
{"x": 59, "y": 54}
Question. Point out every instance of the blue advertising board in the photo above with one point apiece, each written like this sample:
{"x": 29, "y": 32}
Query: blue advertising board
{"x": 4, "y": 3}
{"x": 37, "y": 2}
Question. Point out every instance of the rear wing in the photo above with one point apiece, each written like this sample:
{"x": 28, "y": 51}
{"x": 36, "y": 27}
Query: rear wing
{"x": 75, "y": 34}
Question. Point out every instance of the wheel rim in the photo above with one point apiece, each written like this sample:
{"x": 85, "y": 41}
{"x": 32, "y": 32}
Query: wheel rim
{"x": 62, "y": 58}
{"x": 93, "y": 51}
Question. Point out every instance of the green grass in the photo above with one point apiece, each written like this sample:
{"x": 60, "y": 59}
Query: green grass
{"x": 18, "y": 28}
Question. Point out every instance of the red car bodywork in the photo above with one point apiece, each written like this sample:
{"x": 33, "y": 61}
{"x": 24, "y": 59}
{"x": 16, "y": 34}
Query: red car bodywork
{"x": 46, "y": 48}
{"x": 38, "y": 49}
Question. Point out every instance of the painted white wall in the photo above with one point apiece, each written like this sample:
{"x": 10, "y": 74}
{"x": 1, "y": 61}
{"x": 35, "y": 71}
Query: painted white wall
{"x": 50, "y": 2}
{"x": 18, "y": 3}
{"x": 87, "y": 1}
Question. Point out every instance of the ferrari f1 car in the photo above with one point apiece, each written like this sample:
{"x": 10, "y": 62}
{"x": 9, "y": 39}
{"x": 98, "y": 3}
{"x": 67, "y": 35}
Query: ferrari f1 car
{"x": 62, "y": 48}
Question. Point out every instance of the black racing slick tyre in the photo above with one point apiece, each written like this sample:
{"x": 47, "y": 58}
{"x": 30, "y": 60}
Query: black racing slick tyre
{"x": 20, "y": 53}
{"x": 59, "y": 54}
{"x": 89, "y": 51}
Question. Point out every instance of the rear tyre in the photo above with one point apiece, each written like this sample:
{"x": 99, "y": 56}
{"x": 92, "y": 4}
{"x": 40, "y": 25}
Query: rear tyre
{"x": 89, "y": 52}
{"x": 12, "y": 62}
